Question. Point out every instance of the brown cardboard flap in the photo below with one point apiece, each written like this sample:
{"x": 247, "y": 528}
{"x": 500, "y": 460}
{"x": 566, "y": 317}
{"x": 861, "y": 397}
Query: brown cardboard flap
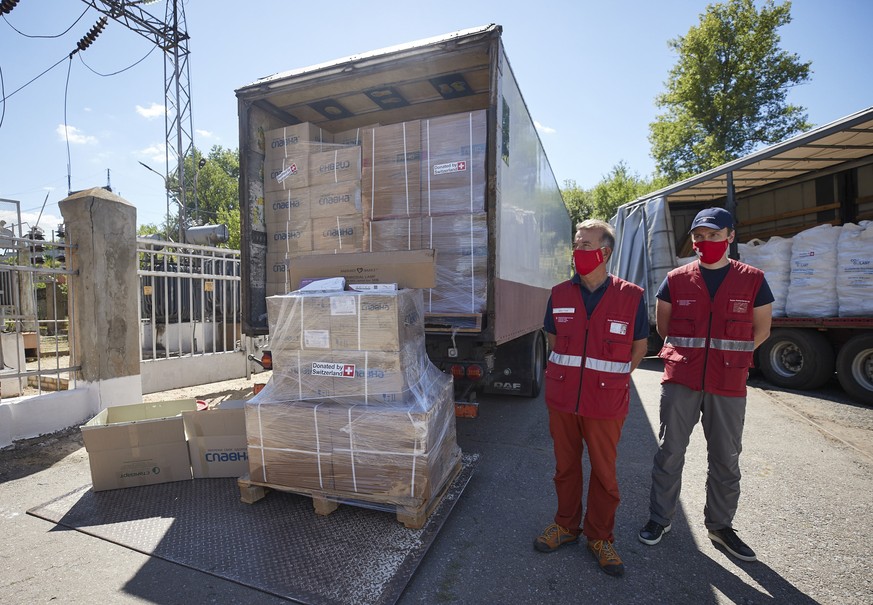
{"x": 406, "y": 268}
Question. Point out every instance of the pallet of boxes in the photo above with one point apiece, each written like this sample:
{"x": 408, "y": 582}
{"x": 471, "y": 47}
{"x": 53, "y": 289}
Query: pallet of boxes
{"x": 354, "y": 411}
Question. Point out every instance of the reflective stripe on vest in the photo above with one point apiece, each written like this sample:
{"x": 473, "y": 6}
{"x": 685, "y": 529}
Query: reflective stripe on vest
{"x": 733, "y": 345}
{"x": 574, "y": 361}
{"x": 601, "y": 365}
{"x": 688, "y": 343}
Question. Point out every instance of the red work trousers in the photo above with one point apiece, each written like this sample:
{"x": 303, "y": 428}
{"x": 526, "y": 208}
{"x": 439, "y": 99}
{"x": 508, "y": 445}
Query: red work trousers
{"x": 570, "y": 433}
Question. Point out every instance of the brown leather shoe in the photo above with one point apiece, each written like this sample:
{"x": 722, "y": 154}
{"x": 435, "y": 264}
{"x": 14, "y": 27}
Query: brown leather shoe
{"x": 606, "y": 556}
{"x": 554, "y": 537}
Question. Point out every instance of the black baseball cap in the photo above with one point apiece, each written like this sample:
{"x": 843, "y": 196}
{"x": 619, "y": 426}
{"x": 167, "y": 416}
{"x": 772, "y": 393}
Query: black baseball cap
{"x": 714, "y": 218}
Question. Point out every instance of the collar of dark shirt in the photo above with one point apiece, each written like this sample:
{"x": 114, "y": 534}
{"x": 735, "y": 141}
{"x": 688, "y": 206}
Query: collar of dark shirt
{"x": 576, "y": 279}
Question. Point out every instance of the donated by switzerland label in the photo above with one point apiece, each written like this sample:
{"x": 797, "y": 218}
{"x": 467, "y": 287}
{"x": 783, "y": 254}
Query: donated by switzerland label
{"x": 449, "y": 167}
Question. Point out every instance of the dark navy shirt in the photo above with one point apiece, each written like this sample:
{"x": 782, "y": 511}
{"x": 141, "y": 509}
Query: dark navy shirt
{"x": 713, "y": 279}
{"x": 641, "y": 322}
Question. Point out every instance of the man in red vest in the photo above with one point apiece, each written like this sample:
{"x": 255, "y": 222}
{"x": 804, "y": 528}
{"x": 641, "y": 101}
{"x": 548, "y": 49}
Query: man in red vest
{"x": 712, "y": 315}
{"x": 597, "y": 329}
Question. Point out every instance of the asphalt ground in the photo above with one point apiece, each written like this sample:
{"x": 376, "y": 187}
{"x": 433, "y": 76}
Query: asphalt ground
{"x": 805, "y": 508}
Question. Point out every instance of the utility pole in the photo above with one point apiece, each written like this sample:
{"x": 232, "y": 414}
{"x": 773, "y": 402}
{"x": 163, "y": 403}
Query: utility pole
{"x": 171, "y": 36}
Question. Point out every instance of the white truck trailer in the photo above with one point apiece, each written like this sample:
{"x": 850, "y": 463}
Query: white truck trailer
{"x": 502, "y": 234}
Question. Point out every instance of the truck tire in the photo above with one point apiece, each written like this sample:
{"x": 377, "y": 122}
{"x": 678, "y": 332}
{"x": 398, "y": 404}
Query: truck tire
{"x": 855, "y": 368}
{"x": 797, "y": 359}
{"x": 538, "y": 363}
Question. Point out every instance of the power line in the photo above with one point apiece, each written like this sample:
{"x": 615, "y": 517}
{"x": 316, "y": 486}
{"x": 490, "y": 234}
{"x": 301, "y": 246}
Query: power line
{"x": 45, "y": 36}
{"x": 120, "y": 70}
{"x": 3, "y": 100}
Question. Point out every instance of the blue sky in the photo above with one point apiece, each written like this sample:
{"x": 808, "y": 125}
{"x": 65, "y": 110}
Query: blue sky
{"x": 589, "y": 72}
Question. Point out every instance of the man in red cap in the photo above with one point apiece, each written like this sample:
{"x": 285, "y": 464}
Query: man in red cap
{"x": 712, "y": 315}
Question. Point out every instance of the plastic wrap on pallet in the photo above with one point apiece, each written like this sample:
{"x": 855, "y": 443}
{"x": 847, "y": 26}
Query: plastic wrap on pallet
{"x": 773, "y": 257}
{"x": 855, "y": 269}
{"x": 368, "y": 346}
{"x": 379, "y": 456}
{"x": 812, "y": 291}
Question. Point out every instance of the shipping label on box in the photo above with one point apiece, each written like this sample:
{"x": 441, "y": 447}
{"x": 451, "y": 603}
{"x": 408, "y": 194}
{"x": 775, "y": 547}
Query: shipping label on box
{"x": 291, "y": 206}
{"x": 299, "y": 139}
{"x": 338, "y": 234}
{"x": 335, "y": 166}
{"x": 217, "y": 441}
{"x": 291, "y": 172}
{"x": 406, "y": 268}
{"x": 139, "y": 444}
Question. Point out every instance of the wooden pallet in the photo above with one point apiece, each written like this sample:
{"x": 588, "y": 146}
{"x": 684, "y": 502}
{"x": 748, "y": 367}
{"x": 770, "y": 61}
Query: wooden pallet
{"x": 413, "y": 515}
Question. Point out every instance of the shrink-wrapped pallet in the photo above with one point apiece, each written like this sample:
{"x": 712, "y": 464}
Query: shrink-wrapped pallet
{"x": 855, "y": 269}
{"x": 812, "y": 290}
{"x": 773, "y": 257}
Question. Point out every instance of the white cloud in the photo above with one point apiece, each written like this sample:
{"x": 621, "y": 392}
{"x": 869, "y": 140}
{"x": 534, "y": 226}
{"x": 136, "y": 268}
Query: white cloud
{"x": 204, "y": 133}
{"x": 74, "y": 135}
{"x": 154, "y": 153}
{"x": 543, "y": 129}
{"x": 152, "y": 111}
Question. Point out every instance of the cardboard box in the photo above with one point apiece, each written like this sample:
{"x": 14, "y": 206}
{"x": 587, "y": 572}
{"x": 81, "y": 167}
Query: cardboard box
{"x": 391, "y": 171}
{"x": 393, "y": 234}
{"x": 335, "y": 199}
{"x": 217, "y": 441}
{"x": 287, "y": 206}
{"x": 353, "y": 136}
{"x": 408, "y": 269}
{"x": 346, "y": 321}
{"x": 338, "y": 234}
{"x": 289, "y": 238}
{"x": 338, "y": 165}
{"x": 453, "y": 169}
{"x": 299, "y": 139}
{"x": 289, "y": 443}
{"x": 456, "y": 234}
{"x": 290, "y": 172}
{"x": 461, "y": 285}
{"x": 139, "y": 444}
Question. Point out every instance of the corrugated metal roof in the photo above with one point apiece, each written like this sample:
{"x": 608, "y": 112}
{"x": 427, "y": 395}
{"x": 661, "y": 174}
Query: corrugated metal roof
{"x": 829, "y": 146}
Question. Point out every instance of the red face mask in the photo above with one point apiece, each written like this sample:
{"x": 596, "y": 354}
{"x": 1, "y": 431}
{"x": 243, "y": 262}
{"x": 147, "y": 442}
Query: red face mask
{"x": 710, "y": 252}
{"x": 587, "y": 261}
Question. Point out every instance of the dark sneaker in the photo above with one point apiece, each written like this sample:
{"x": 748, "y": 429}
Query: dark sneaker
{"x": 728, "y": 538}
{"x": 606, "y": 556}
{"x": 554, "y": 537}
{"x": 652, "y": 533}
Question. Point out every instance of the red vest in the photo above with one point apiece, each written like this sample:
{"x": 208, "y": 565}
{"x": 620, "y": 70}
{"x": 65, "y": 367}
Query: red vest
{"x": 588, "y": 371}
{"x": 710, "y": 341}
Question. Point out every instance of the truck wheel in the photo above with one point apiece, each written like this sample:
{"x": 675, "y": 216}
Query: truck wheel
{"x": 538, "y": 363}
{"x": 797, "y": 359}
{"x": 855, "y": 368}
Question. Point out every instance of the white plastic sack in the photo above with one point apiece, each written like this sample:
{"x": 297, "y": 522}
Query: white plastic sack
{"x": 855, "y": 270}
{"x": 773, "y": 257}
{"x": 812, "y": 291}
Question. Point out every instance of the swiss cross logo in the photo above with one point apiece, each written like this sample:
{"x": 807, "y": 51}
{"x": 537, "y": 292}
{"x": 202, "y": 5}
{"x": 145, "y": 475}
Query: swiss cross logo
{"x": 348, "y": 370}
{"x": 462, "y": 166}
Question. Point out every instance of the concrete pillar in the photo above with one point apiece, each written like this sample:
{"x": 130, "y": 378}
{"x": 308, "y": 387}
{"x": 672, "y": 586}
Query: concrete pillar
{"x": 103, "y": 296}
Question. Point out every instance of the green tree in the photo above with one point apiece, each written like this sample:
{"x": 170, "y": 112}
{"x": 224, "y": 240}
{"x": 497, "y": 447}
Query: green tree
{"x": 727, "y": 93}
{"x": 211, "y": 191}
{"x": 578, "y": 202}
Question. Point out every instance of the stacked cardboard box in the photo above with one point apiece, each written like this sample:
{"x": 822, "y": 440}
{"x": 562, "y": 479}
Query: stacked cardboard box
{"x": 423, "y": 186}
{"x": 312, "y": 199}
{"x": 354, "y": 408}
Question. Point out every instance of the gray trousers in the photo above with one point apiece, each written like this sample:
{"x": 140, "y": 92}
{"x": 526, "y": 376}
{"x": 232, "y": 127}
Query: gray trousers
{"x": 722, "y": 419}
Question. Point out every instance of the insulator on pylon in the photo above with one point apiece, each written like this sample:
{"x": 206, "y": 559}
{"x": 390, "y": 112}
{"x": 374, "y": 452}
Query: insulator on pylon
{"x": 6, "y": 6}
{"x": 88, "y": 39}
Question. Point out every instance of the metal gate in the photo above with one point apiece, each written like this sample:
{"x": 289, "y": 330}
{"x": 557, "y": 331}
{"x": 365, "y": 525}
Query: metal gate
{"x": 36, "y": 340}
{"x": 189, "y": 300}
